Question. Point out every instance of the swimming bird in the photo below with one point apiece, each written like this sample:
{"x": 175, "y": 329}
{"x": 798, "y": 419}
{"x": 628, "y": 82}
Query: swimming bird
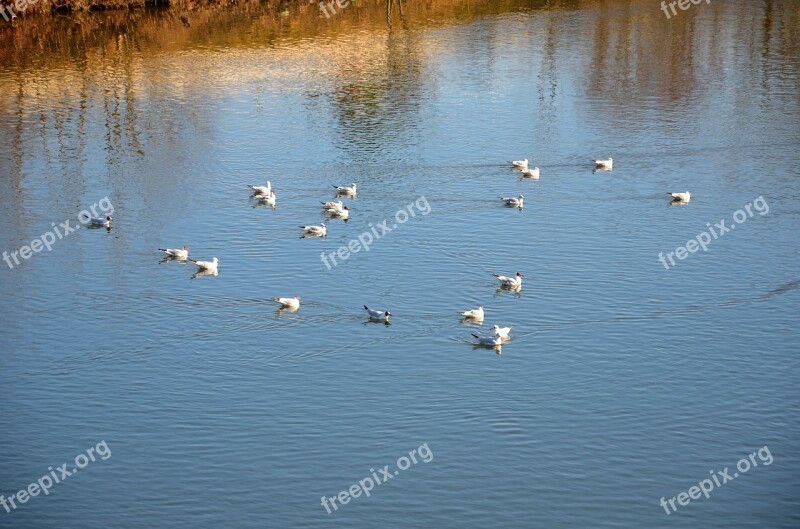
{"x": 502, "y": 332}
{"x": 475, "y": 314}
{"x": 332, "y": 205}
{"x": 262, "y": 190}
{"x": 488, "y": 340}
{"x": 520, "y": 164}
{"x": 100, "y": 221}
{"x": 604, "y": 164}
{"x": 510, "y": 282}
{"x": 681, "y": 197}
{"x": 269, "y": 199}
{"x": 176, "y": 254}
{"x": 513, "y": 202}
{"x": 289, "y": 303}
{"x": 378, "y": 315}
{"x": 320, "y": 231}
{"x": 531, "y": 173}
{"x": 211, "y": 266}
{"x": 343, "y": 213}
{"x": 346, "y": 190}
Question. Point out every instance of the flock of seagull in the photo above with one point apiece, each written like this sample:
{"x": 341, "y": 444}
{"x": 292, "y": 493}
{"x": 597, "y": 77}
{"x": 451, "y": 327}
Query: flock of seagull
{"x": 266, "y": 195}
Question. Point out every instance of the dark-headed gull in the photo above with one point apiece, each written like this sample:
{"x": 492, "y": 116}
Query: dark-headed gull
{"x": 475, "y": 314}
{"x": 317, "y": 231}
{"x": 510, "y": 282}
{"x": 269, "y": 199}
{"x": 681, "y": 197}
{"x": 520, "y": 164}
{"x": 604, "y": 164}
{"x": 378, "y": 315}
{"x": 175, "y": 253}
{"x": 210, "y": 266}
{"x": 100, "y": 222}
{"x": 262, "y": 190}
{"x": 289, "y": 303}
{"x": 346, "y": 190}
{"x": 491, "y": 341}
{"x": 531, "y": 173}
{"x": 342, "y": 213}
{"x": 513, "y": 202}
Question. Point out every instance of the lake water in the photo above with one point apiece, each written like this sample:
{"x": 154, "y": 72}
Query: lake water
{"x": 623, "y": 382}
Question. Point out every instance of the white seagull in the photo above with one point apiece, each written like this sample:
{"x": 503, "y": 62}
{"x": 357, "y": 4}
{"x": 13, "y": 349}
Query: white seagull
{"x": 501, "y": 332}
{"x": 510, "y": 282}
{"x": 268, "y": 199}
{"x": 604, "y": 164}
{"x": 520, "y": 164}
{"x": 488, "y": 340}
{"x": 343, "y": 213}
{"x": 475, "y": 314}
{"x": 332, "y": 205}
{"x": 289, "y": 303}
{"x": 513, "y": 202}
{"x": 378, "y": 315}
{"x": 176, "y": 254}
{"x": 531, "y": 173}
{"x": 320, "y": 231}
{"x": 346, "y": 190}
{"x": 262, "y": 190}
{"x": 211, "y": 266}
{"x": 100, "y": 221}
{"x": 681, "y": 197}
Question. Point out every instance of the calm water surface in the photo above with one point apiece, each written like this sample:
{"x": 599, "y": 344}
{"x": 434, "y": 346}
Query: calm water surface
{"x": 623, "y": 382}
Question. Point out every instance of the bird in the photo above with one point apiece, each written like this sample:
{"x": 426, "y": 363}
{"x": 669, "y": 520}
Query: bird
{"x": 531, "y": 173}
{"x": 488, "y": 340}
{"x": 320, "y": 230}
{"x": 513, "y": 202}
{"x": 502, "y": 332}
{"x": 176, "y": 254}
{"x": 604, "y": 164}
{"x": 346, "y": 190}
{"x": 510, "y": 282}
{"x": 520, "y": 164}
{"x": 211, "y": 266}
{"x": 100, "y": 221}
{"x": 342, "y": 213}
{"x": 289, "y": 303}
{"x": 475, "y": 314}
{"x": 681, "y": 197}
{"x": 378, "y": 315}
{"x": 332, "y": 205}
{"x": 269, "y": 199}
{"x": 262, "y": 190}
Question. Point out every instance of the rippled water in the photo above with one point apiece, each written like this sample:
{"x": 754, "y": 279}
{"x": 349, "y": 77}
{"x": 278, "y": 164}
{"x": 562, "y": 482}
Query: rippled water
{"x": 623, "y": 382}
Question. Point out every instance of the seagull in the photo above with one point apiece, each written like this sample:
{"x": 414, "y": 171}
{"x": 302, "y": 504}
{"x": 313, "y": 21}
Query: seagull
{"x": 289, "y": 303}
{"x": 501, "y": 332}
{"x": 531, "y": 173}
{"x": 176, "y": 254}
{"x": 510, "y": 282}
{"x": 378, "y": 315}
{"x": 268, "y": 199}
{"x": 681, "y": 197}
{"x": 520, "y": 164}
{"x": 345, "y": 190}
{"x": 604, "y": 164}
{"x": 475, "y": 314}
{"x": 488, "y": 340}
{"x": 320, "y": 230}
{"x": 332, "y": 205}
{"x": 343, "y": 213}
{"x": 513, "y": 202}
{"x": 100, "y": 221}
{"x": 262, "y": 190}
{"x": 211, "y": 266}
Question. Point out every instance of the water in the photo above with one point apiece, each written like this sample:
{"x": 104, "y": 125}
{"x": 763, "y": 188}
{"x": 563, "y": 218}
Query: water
{"x": 623, "y": 382}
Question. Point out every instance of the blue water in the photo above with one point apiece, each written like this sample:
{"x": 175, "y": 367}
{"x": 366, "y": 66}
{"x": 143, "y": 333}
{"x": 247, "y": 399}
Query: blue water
{"x": 623, "y": 382}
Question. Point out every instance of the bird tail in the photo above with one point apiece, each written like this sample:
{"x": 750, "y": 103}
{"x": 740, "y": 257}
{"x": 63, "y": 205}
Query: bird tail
{"x": 366, "y": 308}
{"x": 192, "y": 260}
{"x": 162, "y": 250}
{"x": 476, "y": 336}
